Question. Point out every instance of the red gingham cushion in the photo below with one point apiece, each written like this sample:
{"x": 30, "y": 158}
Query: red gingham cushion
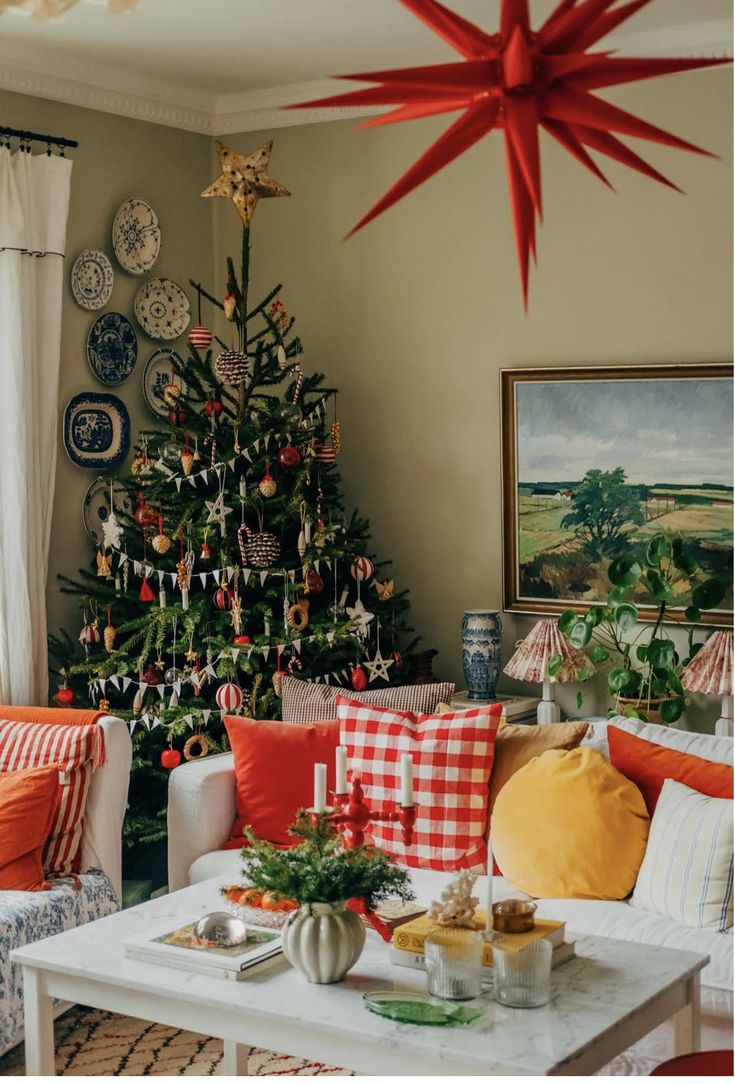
{"x": 452, "y": 761}
{"x": 77, "y": 750}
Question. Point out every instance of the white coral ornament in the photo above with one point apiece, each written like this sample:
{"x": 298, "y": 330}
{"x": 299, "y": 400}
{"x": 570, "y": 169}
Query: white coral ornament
{"x": 457, "y": 904}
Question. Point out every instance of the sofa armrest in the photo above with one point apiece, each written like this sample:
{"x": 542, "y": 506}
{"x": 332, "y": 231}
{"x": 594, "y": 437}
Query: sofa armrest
{"x": 201, "y": 812}
{"x": 107, "y": 802}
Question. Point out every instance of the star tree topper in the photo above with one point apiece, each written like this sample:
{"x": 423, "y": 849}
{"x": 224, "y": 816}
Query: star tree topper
{"x": 520, "y": 80}
{"x": 245, "y": 180}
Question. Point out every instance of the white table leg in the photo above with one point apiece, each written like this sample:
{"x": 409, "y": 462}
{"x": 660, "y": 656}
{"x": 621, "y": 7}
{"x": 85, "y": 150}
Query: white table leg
{"x": 39, "y": 1025}
{"x": 687, "y": 1022}
{"x": 235, "y": 1060}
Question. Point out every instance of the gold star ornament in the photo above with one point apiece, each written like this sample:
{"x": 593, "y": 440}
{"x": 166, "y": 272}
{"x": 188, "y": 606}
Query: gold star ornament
{"x": 245, "y": 179}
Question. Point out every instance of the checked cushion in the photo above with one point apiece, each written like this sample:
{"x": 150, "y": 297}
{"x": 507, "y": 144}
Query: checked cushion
{"x": 452, "y": 760}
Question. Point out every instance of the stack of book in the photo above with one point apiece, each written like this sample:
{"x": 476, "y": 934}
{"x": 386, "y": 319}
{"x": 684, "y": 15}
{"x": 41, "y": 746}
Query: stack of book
{"x": 516, "y": 709}
{"x": 407, "y": 948}
{"x": 181, "y": 948}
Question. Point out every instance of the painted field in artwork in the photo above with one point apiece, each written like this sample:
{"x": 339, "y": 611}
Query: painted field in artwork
{"x": 657, "y": 454}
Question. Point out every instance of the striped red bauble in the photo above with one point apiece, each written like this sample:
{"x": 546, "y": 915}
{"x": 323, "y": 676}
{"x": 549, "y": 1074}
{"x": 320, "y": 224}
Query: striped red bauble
{"x": 200, "y": 337}
{"x": 229, "y": 697}
{"x": 362, "y": 568}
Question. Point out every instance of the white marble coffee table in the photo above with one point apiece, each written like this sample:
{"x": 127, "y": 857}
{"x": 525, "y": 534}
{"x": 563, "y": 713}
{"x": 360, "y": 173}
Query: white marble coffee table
{"x": 613, "y": 994}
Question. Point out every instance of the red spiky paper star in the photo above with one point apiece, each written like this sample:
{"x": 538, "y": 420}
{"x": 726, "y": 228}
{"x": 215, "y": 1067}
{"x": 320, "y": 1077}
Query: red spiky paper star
{"x": 520, "y": 80}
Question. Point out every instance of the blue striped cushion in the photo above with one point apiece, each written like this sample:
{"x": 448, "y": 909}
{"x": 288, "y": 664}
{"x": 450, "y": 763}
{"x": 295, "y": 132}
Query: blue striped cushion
{"x": 687, "y": 871}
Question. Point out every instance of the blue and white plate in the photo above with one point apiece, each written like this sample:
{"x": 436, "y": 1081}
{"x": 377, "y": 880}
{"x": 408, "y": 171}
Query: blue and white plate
{"x": 158, "y": 372}
{"x": 96, "y": 430}
{"x": 112, "y": 348}
{"x": 162, "y": 309}
{"x": 91, "y": 279}
{"x": 136, "y": 236}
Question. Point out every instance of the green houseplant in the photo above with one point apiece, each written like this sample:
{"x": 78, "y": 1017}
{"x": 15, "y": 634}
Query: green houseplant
{"x": 323, "y": 939}
{"x": 644, "y": 663}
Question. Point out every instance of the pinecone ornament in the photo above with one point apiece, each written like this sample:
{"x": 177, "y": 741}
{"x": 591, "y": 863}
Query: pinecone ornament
{"x": 261, "y": 549}
{"x": 231, "y": 366}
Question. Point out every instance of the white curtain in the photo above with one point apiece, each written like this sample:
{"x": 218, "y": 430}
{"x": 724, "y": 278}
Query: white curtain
{"x": 34, "y": 207}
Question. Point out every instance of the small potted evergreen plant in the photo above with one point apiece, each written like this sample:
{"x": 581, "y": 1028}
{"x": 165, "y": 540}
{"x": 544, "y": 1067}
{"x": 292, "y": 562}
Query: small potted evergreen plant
{"x": 323, "y": 938}
{"x": 644, "y": 675}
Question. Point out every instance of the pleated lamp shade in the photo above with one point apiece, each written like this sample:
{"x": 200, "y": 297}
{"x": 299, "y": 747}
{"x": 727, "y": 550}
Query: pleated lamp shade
{"x": 710, "y": 672}
{"x": 531, "y": 663}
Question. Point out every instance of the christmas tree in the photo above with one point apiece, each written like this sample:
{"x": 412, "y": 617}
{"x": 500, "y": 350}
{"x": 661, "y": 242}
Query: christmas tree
{"x": 227, "y": 559}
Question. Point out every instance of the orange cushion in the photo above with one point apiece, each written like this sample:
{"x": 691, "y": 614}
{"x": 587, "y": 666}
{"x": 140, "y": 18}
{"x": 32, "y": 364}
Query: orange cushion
{"x": 648, "y": 765}
{"x": 61, "y": 716}
{"x": 28, "y": 803}
{"x": 274, "y": 772}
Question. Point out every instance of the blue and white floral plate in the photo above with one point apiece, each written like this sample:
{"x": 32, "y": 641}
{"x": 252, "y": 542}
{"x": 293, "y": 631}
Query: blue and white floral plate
{"x": 162, "y": 309}
{"x": 112, "y": 348}
{"x": 96, "y": 431}
{"x": 158, "y": 372}
{"x": 91, "y": 279}
{"x": 136, "y": 236}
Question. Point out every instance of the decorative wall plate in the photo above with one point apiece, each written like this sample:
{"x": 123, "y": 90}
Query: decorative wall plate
{"x": 162, "y": 309}
{"x": 112, "y": 348}
{"x": 156, "y": 375}
{"x": 91, "y": 279}
{"x": 136, "y": 236}
{"x": 96, "y": 430}
{"x": 96, "y": 510}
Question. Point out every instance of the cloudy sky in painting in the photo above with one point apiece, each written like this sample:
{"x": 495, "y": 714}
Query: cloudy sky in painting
{"x": 657, "y": 430}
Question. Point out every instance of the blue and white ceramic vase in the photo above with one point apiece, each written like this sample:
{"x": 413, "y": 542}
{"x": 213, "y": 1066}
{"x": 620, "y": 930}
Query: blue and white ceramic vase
{"x": 482, "y": 631}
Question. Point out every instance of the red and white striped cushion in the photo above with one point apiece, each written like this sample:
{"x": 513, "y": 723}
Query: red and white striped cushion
{"x": 77, "y": 750}
{"x": 452, "y": 760}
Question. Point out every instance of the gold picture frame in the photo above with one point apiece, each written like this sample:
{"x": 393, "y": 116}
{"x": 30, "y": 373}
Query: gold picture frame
{"x": 554, "y": 420}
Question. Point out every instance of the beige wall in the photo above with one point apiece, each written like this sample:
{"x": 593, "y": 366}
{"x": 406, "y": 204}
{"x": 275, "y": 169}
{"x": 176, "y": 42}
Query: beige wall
{"x": 414, "y": 317}
{"x": 116, "y": 158}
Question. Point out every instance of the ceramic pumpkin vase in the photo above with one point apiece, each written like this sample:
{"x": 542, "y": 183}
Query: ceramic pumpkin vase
{"x": 323, "y": 941}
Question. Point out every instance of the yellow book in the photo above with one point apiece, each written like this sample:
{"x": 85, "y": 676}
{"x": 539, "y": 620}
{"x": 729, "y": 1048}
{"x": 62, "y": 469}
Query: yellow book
{"x": 410, "y": 936}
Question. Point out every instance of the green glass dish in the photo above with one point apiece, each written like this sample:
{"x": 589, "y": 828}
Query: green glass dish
{"x": 416, "y": 1008}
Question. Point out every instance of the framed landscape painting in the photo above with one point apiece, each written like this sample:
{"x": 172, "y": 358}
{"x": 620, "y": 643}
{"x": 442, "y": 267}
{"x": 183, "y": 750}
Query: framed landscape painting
{"x": 599, "y": 457}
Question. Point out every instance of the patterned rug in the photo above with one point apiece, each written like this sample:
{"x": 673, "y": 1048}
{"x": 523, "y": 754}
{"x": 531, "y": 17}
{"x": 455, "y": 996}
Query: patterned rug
{"x": 90, "y": 1042}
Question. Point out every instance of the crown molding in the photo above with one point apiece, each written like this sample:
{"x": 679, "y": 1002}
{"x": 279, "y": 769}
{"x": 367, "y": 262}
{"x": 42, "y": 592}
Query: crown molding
{"x": 124, "y": 93}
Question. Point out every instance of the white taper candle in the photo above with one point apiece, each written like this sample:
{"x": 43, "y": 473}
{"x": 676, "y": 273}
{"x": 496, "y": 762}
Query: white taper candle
{"x": 320, "y": 787}
{"x": 406, "y": 779}
{"x": 340, "y": 765}
{"x": 489, "y": 890}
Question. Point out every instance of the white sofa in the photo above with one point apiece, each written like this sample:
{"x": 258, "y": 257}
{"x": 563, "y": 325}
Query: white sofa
{"x": 201, "y": 812}
{"x": 26, "y": 917}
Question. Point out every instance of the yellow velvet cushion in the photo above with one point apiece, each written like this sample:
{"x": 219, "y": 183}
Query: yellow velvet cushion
{"x": 570, "y": 825}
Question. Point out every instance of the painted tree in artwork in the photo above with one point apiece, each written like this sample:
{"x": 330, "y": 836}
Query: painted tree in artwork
{"x": 228, "y": 558}
{"x": 604, "y": 509}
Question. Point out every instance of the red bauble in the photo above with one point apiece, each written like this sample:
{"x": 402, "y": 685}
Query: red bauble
{"x": 170, "y": 758}
{"x": 314, "y": 583}
{"x": 144, "y": 514}
{"x": 242, "y": 640}
{"x": 289, "y": 456}
{"x": 65, "y": 697}
{"x": 213, "y": 406}
{"x": 358, "y": 679}
{"x": 362, "y": 568}
{"x": 177, "y": 417}
{"x": 223, "y": 598}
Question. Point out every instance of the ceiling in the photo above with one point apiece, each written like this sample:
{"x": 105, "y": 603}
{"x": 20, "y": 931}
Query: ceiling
{"x": 225, "y": 65}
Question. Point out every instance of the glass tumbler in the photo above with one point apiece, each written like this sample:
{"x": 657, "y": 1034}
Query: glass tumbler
{"x": 523, "y": 979}
{"x": 454, "y": 963}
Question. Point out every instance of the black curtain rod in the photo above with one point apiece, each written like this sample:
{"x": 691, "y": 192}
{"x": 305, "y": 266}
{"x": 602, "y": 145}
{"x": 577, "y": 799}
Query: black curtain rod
{"x": 26, "y": 136}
